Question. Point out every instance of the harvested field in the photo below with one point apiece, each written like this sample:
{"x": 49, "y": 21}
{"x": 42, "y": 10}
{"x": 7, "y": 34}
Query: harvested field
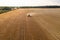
{"x": 44, "y": 24}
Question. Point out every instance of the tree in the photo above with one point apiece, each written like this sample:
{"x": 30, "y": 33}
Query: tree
{"x": 6, "y": 8}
